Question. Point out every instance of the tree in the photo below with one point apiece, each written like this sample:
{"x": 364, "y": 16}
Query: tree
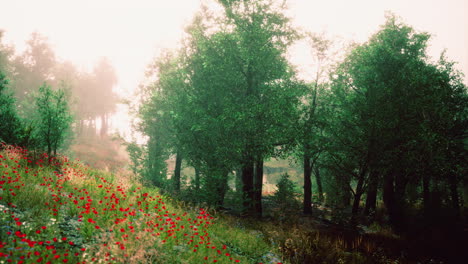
{"x": 266, "y": 93}
{"x": 157, "y": 112}
{"x": 311, "y": 120}
{"x": 6, "y": 54}
{"x": 228, "y": 98}
{"x": 34, "y": 66}
{"x": 54, "y": 117}
{"x": 10, "y": 124}
{"x": 391, "y": 103}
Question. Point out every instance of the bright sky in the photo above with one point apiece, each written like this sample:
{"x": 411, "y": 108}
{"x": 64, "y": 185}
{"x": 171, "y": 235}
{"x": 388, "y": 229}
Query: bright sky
{"x": 131, "y": 32}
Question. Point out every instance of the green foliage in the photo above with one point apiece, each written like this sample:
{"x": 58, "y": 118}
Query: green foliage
{"x": 286, "y": 195}
{"x": 395, "y": 120}
{"x": 227, "y": 97}
{"x": 55, "y": 119}
{"x": 10, "y": 124}
{"x": 136, "y": 157}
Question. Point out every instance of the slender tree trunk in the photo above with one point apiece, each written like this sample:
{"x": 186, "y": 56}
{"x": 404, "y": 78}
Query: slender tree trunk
{"x": 49, "y": 152}
{"x": 318, "y": 179}
{"x": 371, "y": 198}
{"x": 247, "y": 184}
{"x": 93, "y": 124}
{"x": 388, "y": 193}
{"x": 258, "y": 184}
{"x": 394, "y": 189}
{"x": 426, "y": 181}
{"x": 177, "y": 168}
{"x": 454, "y": 194}
{"x": 221, "y": 188}
{"x": 307, "y": 183}
{"x": 465, "y": 191}
{"x": 103, "y": 125}
{"x": 357, "y": 196}
{"x": 238, "y": 180}
{"x": 80, "y": 127}
{"x": 197, "y": 179}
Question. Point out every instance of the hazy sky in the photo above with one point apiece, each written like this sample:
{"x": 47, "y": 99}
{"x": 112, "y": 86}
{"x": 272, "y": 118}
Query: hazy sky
{"x": 131, "y": 32}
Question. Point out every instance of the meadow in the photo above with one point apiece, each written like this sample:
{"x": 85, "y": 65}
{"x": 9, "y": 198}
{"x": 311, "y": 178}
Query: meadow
{"x": 62, "y": 211}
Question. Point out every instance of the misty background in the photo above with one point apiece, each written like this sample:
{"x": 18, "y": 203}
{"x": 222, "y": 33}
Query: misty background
{"x": 130, "y": 34}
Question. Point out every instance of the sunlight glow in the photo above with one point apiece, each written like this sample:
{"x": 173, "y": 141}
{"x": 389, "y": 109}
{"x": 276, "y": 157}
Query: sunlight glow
{"x": 131, "y": 33}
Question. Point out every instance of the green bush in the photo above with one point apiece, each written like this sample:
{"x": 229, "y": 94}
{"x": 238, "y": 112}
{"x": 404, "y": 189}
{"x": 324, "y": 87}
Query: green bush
{"x": 286, "y": 197}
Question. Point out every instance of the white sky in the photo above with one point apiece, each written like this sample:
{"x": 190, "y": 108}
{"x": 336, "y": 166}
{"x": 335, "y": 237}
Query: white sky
{"x": 131, "y": 32}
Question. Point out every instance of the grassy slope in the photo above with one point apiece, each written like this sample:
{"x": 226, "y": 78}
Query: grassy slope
{"x": 69, "y": 212}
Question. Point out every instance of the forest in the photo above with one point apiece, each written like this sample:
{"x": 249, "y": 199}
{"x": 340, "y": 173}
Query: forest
{"x": 378, "y": 135}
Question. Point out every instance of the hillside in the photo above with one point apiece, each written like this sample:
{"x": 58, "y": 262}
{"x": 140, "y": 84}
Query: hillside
{"x": 69, "y": 212}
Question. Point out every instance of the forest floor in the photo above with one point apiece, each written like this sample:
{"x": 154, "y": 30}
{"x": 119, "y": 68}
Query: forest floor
{"x": 319, "y": 238}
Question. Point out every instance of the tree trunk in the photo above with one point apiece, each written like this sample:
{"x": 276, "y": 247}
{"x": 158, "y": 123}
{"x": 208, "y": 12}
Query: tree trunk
{"x": 454, "y": 194}
{"x": 103, "y": 125}
{"x": 49, "y": 152}
{"x": 221, "y": 189}
{"x": 388, "y": 193}
{"x": 426, "y": 181}
{"x": 371, "y": 198}
{"x": 357, "y": 195}
{"x": 238, "y": 180}
{"x": 258, "y": 184}
{"x": 197, "y": 179}
{"x": 307, "y": 184}
{"x": 247, "y": 185}
{"x": 394, "y": 189}
{"x": 177, "y": 168}
{"x": 80, "y": 127}
{"x": 318, "y": 179}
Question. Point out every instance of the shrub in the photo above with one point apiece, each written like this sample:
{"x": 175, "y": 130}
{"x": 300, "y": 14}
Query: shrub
{"x": 286, "y": 196}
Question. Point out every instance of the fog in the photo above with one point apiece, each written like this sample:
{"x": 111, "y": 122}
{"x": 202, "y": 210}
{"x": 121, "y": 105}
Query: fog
{"x": 131, "y": 33}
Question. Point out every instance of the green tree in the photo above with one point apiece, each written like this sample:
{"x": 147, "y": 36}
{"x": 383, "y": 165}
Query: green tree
{"x": 229, "y": 98}
{"x": 391, "y": 104}
{"x": 265, "y": 98}
{"x": 10, "y": 124}
{"x": 6, "y": 54}
{"x": 55, "y": 119}
{"x": 157, "y": 119}
{"x": 312, "y": 118}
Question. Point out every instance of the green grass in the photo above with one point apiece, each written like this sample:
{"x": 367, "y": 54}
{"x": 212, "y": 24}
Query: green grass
{"x": 69, "y": 212}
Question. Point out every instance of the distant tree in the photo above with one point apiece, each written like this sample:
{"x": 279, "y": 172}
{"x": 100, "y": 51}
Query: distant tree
{"x": 34, "y": 66}
{"x": 6, "y": 54}
{"x": 54, "y": 118}
{"x": 104, "y": 98}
